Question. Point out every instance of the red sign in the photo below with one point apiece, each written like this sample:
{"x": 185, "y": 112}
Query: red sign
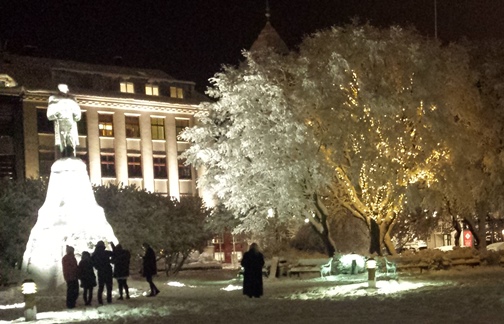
{"x": 468, "y": 238}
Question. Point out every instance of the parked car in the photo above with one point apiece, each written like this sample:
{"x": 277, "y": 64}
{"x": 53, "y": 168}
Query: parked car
{"x": 413, "y": 246}
{"x": 499, "y": 246}
{"x": 445, "y": 248}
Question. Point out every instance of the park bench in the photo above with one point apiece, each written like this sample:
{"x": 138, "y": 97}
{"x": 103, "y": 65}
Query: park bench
{"x": 265, "y": 270}
{"x": 467, "y": 261}
{"x": 307, "y": 266}
{"x": 390, "y": 266}
{"x": 408, "y": 263}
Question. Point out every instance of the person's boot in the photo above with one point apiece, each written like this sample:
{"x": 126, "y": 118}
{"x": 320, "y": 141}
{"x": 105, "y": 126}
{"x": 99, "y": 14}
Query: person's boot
{"x": 127, "y": 294}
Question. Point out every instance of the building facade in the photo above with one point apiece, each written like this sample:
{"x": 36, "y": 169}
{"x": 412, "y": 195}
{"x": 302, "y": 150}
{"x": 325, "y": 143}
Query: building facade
{"x": 129, "y": 128}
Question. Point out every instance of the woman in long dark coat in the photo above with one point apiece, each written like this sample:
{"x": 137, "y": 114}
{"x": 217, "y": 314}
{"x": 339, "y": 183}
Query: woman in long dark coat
{"x": 149, "y": 268}
{"x": 252, "y": 263}
{"x": 121, "y": 261}
{"x": 87, "y": 277}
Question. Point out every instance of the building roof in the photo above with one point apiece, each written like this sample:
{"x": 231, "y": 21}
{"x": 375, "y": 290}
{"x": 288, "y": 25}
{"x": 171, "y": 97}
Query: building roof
{"x": 38, "y": 74}
{"x": 269, "y": 38}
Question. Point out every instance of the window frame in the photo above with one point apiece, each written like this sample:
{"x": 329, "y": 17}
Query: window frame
{"x": 132, "y": 129}
{"x": 106, "y": 127}
{"x": 152, "y": 90}
{"x": 109, "y": 161}
{"x": 126, "y": 87}
{"x": 156, "y": 127}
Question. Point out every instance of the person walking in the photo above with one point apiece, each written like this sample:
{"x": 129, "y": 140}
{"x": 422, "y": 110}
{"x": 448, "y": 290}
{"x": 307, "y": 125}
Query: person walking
{"x": 121, "y": 260}
{"x": 149, "y": 268}
{"x": 252, "y": 263}
{"x": 101, "y": 262}
{"x": 87, "y": 277}
{"x": 70, "y": 269}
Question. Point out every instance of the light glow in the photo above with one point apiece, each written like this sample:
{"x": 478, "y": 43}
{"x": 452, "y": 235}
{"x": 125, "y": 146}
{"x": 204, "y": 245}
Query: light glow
{"x": 69, "y": 216}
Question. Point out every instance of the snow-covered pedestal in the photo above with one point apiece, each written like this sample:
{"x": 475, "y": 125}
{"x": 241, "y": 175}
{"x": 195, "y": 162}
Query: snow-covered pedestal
{"x": 69, "y": 216}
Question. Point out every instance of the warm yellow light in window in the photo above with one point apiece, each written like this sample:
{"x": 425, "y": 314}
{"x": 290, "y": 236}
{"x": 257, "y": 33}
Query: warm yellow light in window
{"x": 151, "y": 90}
{"x": 127, "y": 87}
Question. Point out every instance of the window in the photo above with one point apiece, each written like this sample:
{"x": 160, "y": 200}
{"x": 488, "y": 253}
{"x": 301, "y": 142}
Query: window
{"x": 108, "y": 165}
{"x": 134, "y": 166}
{"x": 157, "y": 128}
{"x": 82, "y": 124}
{"x": 132, "y": 127}
{"x": 44, "y": 125}
{"x": 184, "y": 171}
{"x": 8, "y": 166}
{"x": 160, "y": 167}
{"x": 105, "y": 125}
{"x": 151, "y": 90}
{"x": 176, "y": 92}
{"x": 46, "y": 160}
{"x": 180, "y": 125}
{"x": 127, "y": 87}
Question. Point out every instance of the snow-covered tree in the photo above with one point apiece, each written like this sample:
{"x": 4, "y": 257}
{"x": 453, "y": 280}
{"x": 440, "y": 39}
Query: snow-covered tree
{"x": 354, "y": 119}
{"x": 472, "y": 187}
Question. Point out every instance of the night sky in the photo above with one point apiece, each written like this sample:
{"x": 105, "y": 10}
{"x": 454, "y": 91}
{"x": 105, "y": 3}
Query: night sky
{"x": 191, "y": 39}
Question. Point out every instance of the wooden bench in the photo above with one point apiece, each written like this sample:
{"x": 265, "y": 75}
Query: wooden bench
{"x": 306, "y": 266}
{"x": 473, "y": 261}
{"x": 414, "y": 265}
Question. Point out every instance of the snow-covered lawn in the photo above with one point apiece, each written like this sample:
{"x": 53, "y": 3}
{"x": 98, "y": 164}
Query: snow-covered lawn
{"x": 460, "y": 295}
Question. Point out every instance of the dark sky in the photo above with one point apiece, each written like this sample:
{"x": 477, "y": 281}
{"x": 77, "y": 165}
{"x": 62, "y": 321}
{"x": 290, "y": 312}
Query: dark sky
{"x": 191, "y": 39}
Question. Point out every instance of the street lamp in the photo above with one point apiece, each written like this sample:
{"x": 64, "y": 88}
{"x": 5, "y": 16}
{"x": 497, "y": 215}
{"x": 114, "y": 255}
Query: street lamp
{"x": 29, "y": 289}
{"x": 371, "y": 268}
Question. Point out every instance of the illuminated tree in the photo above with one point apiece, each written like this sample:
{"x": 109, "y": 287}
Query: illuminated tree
{"x": 355, "y": 119}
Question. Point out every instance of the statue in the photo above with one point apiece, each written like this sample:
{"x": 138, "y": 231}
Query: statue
{"x": 65, "y": 112}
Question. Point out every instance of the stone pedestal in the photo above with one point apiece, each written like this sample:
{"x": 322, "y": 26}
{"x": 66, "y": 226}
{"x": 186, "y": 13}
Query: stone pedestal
{"x": 69, "y": 216}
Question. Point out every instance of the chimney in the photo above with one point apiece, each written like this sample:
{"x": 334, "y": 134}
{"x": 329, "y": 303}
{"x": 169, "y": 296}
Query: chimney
{"x": 118, "y": 60}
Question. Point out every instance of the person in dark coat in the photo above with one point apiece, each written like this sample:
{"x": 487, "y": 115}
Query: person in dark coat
{"x": 149, "y": 268}
{"x": 87, "y": 277}
{"x": 121, "y": 261}
{"x": 70, "y": 269}
{"x": 101, "y": 261}
{"x": 252, "y": 263}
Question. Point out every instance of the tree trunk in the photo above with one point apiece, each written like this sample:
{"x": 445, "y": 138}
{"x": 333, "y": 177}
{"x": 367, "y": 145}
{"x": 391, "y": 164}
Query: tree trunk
{"x": 374, "y": 231}
{"x": 319, "y": 224}
{"x": 458, "y": 230}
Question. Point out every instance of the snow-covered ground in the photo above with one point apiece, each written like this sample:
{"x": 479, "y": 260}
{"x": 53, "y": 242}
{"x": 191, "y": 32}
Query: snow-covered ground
{"x": 459, "y": 295}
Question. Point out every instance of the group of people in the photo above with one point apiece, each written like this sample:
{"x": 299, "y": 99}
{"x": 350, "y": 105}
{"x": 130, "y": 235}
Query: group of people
{"x": 102, "y": 259}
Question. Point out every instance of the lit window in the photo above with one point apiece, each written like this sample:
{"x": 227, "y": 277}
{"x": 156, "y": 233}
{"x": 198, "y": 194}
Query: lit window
{"x": 132, "y": 127}
{"x": 134, "y": 166}
{"x": 176, "y": 92}
{"x": 105, "y": 125}
{"x": 157, "y": 128}
{"x": 151, "y": 90}
{"x": 184, "y": 171}
{"x": 127, "y": 87}
{"x": 108, "y": 165}
{"x": 160, "y": 167}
